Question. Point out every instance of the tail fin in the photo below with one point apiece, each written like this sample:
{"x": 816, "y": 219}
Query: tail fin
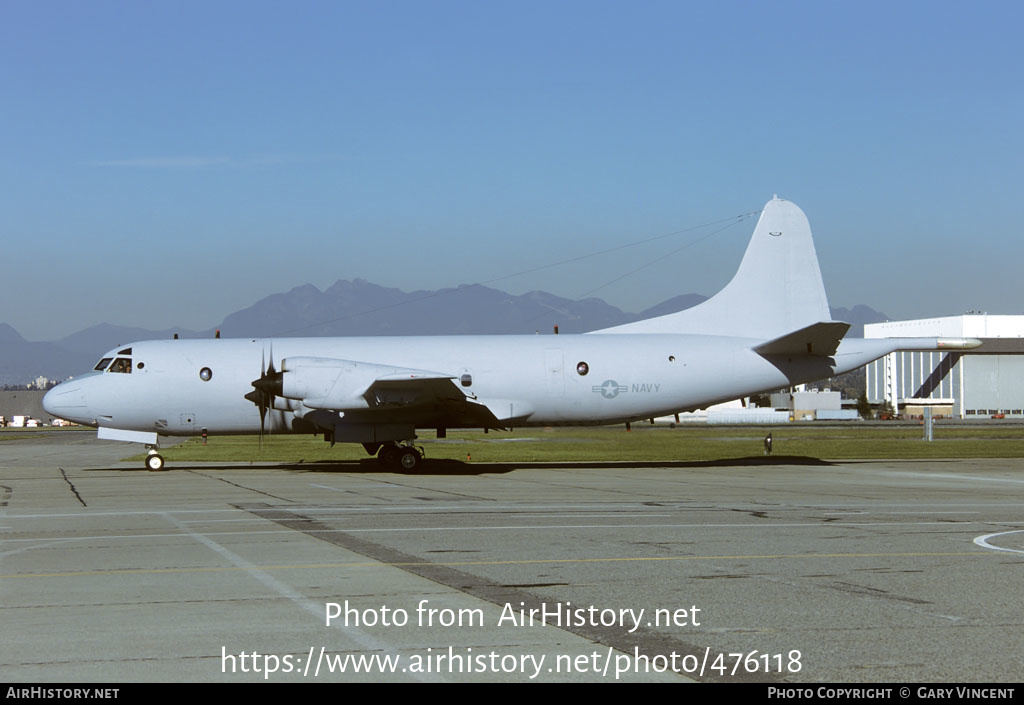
{"x": 777, "y": 289}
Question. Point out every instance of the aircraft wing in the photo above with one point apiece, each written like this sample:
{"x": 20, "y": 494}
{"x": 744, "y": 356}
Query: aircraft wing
{"x": 443, "y": 399}
{"x": 413, "y": 387}
{"x": 324, "y": 390}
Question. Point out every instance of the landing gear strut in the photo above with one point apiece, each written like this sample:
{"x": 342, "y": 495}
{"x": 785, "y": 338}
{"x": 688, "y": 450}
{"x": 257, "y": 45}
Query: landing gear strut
{"x": 400, "y": 457}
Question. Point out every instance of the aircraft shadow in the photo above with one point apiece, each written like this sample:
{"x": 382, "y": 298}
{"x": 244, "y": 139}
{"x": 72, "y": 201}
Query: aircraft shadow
{"x": 746, "y": 461}
{"x": 458, "y": 467}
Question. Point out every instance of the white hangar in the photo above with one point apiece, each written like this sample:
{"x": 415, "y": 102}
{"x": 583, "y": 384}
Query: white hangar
{"x": 965, "y": 384}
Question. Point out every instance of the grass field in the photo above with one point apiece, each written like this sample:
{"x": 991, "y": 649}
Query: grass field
{"x": 643, "y": 443}
{"x": 13, "y": 436}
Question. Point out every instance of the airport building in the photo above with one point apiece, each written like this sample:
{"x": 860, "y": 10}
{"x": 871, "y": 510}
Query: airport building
{"x": 813, "y": 405}
{"x": 964, "y": 384}
{"x": 26, "y": 403}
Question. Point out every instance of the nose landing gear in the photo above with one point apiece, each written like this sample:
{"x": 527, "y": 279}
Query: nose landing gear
{"x": 154, "y": 461}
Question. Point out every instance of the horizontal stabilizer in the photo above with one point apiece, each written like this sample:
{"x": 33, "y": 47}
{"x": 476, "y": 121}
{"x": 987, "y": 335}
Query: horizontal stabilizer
{"x": 816, "y": 339}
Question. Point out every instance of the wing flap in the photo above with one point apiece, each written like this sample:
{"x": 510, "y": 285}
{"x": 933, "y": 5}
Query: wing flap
{"x": 412, "y": 389}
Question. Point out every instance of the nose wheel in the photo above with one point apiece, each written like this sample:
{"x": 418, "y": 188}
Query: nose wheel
{"x": 154, "y": 461}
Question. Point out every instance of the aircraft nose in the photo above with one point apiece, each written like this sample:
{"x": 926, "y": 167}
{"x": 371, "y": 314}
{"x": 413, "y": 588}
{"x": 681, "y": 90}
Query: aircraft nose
{"x": 66, "y": 401}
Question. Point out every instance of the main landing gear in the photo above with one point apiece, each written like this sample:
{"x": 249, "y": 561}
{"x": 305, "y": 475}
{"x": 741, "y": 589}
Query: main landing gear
{"x": 400, "y": 457}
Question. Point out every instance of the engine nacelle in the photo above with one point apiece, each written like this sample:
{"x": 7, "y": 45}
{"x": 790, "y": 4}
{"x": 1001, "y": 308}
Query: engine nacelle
{"x": 340, "y": 383}
{"x": 328, "y": 383}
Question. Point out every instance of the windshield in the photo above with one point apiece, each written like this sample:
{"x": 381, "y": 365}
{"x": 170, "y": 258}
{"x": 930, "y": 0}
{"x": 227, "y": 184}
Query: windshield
{"x": 121, "y": 364}
{"x": 102, "y": 364}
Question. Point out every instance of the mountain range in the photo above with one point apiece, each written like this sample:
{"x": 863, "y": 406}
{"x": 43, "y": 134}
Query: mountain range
{"x": 358, "y": 307}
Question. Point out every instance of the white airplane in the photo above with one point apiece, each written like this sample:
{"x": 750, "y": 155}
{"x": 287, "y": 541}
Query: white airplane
{"x": 769, "y": 328}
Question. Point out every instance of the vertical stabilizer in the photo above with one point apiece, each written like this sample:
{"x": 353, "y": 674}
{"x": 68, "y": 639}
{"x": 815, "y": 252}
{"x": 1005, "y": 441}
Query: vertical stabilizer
{"x": 777, "y": 289}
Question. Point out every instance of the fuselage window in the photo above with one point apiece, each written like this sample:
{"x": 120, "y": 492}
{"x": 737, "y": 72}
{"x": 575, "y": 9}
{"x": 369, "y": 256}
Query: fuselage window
{"x": 102, "y": 364}
{"x": 121, "y": 364}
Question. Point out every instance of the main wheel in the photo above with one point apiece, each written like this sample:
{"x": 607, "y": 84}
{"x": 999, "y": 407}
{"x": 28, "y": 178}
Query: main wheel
{"x": 155, "y": 461}
{"x": 409, "y": 458}
{"x": 388, "y": 455}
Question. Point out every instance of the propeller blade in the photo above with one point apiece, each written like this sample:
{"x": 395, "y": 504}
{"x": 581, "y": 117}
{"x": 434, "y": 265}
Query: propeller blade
{"x": 262, "y": 395}
{"x": 271, "y": 374}
{"x": 263, "y": 416}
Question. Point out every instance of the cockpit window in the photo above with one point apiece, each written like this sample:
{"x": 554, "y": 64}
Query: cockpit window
{"x": 102, "y": 364}
{"x": 121, "y": 364}
{"x": 126, "y": 351}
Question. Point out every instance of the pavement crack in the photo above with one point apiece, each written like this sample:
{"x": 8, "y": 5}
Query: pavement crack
{"x": 875, "y": 592}
{"x": 241, "y": 487}
{"x": 756, "y": 513}
{"x": 72, "y": 486}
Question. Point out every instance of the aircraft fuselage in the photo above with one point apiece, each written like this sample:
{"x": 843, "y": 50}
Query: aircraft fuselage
{"x": 627, "y": 377}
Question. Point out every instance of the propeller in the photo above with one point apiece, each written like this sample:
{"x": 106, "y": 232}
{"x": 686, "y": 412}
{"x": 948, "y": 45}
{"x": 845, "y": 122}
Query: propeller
{"x": 265, "y": 389}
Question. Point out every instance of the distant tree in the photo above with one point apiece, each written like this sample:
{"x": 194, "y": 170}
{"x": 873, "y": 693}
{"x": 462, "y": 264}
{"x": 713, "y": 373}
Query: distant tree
{"x": 849, "y": 383}
{"x": 864, "y": 406}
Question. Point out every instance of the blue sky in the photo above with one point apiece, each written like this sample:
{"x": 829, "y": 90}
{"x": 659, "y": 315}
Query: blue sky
{"x": 168, "y": 163}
